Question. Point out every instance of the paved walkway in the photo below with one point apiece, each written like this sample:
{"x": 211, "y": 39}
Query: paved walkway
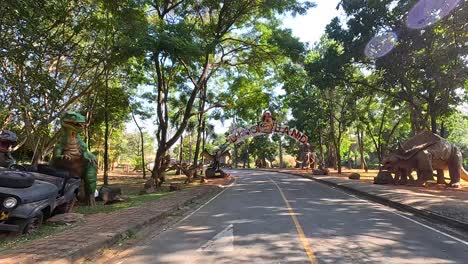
{"x": 101, "y": 230}
{"x": 435, "y": 200}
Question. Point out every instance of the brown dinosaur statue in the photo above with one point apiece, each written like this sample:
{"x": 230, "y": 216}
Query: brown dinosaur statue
{"x": 188, "y": 170}
{"x": 307, "y": 157}
{"x": 425, "y": 153}
{"x": 215, "y": 159}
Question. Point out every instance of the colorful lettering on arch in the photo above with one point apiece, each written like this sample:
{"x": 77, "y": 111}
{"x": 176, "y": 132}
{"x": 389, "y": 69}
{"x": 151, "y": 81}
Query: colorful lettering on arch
{"x": 266, "y": 126}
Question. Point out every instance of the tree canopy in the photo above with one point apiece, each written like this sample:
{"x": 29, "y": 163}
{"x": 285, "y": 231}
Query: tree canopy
{"x": 372, "y": 80}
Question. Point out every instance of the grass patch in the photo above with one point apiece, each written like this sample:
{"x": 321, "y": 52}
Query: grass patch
{"x": 44, "y": 231}
{"x": 130, "y": 234}
{"x": 131, "y": 185}
{"x": 134, "y": 200}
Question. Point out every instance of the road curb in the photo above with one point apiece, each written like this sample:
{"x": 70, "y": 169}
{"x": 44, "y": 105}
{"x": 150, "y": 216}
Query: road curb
{"x": 93, "y": 248}
{"x": 426, "y": 214}
{"x": 108, "y": 239}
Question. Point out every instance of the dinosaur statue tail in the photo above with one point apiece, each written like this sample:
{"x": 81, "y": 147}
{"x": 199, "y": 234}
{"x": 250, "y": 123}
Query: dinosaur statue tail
{"x": 463, "y": 174}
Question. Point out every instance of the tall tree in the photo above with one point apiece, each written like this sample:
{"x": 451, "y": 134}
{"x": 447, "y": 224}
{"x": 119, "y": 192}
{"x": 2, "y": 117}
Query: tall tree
{"x": 201, "y": 37}
{"x": 424, "y": 69}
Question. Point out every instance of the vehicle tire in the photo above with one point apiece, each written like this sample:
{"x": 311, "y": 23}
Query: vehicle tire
{"x": 30, "y": 225}
{"x": 16, "y": 179}
{"x": 66, "y": 207}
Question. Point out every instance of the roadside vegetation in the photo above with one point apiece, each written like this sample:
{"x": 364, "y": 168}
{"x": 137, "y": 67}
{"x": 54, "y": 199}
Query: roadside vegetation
{"x": 130, "y": 185}
{"x": 177, "y": 70}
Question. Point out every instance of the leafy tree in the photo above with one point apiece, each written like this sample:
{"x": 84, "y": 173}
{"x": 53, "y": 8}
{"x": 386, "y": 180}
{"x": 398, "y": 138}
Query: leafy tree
{"x": 194, "y": 40}
{"x": 261, "y": 147}
{"x": 425, "y": 68}
{"x": 53, "y": 59}
{"x": 131, "y": 144}
{"x": 457, "y": 124}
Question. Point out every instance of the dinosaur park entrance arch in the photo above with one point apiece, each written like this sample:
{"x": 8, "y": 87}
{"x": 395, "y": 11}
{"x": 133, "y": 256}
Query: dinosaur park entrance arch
{"x": 266, "y": 126}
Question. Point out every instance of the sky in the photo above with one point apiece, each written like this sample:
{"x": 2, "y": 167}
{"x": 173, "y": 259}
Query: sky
{"x": 308, "y": 28}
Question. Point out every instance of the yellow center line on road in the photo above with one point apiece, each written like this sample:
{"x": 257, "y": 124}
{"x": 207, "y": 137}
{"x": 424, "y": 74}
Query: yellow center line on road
{"x": 300, "y": 231}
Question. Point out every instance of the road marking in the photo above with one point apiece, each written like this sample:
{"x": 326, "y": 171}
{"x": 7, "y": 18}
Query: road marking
{"x": 300, "y": 231}
{"x": 209, "y": 201}
{"x": 221, "y": 242}
{"x": 393, "y": 211}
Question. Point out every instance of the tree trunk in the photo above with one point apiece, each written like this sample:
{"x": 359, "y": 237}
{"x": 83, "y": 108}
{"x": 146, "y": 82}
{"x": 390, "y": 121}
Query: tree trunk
{"x": 106, "y": 130}
{"x": 158, "y": 175}
{"x": 197, "y": 144}
{"x": 417, "y": 122}
{"x": 37, "y": 153}
{"x": 322, "y": 156}
{"x": 331, "y": 161}
{"x": 181, "y": 151}
{"x": 433, "y": 123}
{"x": 235, "y": 156}
{"x": 89, "y": 117}
{"x": 443, "y": 131}
{"x": 338, "y": 158}
{"x": 248, "y": 158}
{"x": 335, "y": 144}
{"x": 360, "y": 135}
{"x": 142, "y": 146}
{"x": 432, "y": 110}
{"x": 190, "y": 147}
{"x": 281, "y": 164}
{"x": 204, "y": 135}
{"x": 201, "y": 109}
{"x": 203, "y": 144}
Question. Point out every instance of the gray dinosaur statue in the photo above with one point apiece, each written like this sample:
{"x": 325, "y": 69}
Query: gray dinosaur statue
{"x": 8, "y": 140}
{"x": 425, "y": 153}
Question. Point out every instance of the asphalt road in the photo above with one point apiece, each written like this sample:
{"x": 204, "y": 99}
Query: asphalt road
{"x": 267, "y": 217}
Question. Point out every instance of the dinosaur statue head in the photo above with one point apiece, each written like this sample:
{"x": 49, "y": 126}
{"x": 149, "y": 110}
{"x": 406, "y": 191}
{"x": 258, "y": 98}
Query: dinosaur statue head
{"x": 390, "y": 162}
{"x": 8, "y": 140}
{"x": 73, "y": 121}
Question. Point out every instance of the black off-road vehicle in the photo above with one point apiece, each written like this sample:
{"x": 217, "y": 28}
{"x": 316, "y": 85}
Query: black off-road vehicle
{"x": 30, "y": 194}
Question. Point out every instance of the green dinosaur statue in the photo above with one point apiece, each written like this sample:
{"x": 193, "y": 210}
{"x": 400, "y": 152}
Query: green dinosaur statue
{"x": 71, "y": 154}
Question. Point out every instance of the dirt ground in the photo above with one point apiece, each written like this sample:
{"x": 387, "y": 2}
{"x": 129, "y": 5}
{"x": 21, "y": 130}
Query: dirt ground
{"x": 132, "y": 182}
{"x": 370, "y": 174}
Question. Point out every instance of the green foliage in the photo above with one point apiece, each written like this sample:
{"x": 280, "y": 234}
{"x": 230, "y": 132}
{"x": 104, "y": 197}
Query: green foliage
{"x": 426, "y": 67}
{"x": 416, "y": 86}
{"x": 225, "y": 60}
{"x": 262, "y": 147}
{"x": 130, "y": 148}
{"x": 54, "y": 54}
{"x": 457, "y": 125}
